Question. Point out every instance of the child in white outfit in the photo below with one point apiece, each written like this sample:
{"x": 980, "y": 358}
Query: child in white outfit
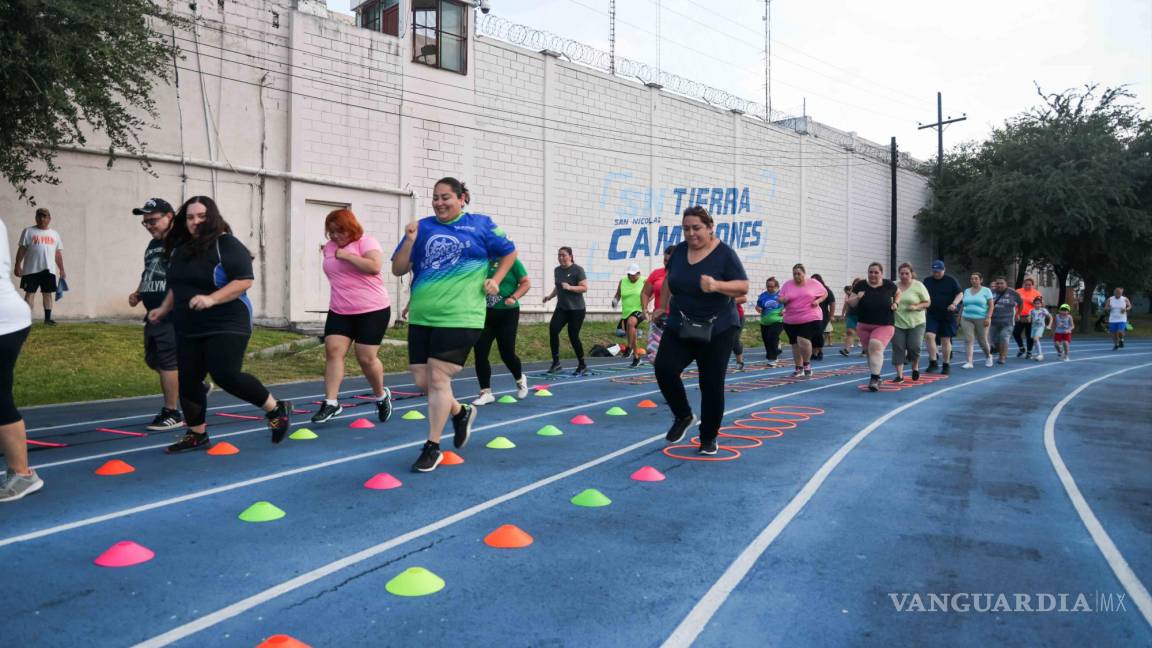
{"x": 1041, "y": 319}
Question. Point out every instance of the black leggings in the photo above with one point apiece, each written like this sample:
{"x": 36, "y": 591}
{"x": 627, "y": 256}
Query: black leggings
{"x": 770, "y": 333}
{"x": 10, "y": 345}
{"x": 1023, "y": 331}
{"x": 500, "y": 324}
{"x": 222, "y": 356}
{"x": 711, "y": 360}
{"x": 574, "y": 320}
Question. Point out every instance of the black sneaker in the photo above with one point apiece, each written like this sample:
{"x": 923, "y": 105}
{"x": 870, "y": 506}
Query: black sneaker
{"x": 873, "y": 384}
{"x": 462, "y": 425}
{"x": 707, "y": 448}
{"x": 844, "y": 352}
{"x": 945, "y": 369}
{"x": 167, "y": 419}
{"x": 932, "y": 366}
{"x": 819, "y": 355}
{"x": 49, "y": 322}
{"x": 384, "y": 406}
{"x": 915, "y": 375}
{"x": 581, "y": 370}
{"x": 739, "y": 366}
{"x": 1121, "y": 343}
{"x": 430, "y": 457}
{"x": 635, "y": 362}
{"x": 190, "y": 441}
{"x": 326, "y": 412}
{"x": 1020, "y": 353}
{"x": 897, "y": 380}
{"x": 280, "y": 420}
{"x": 555, "y": 368}
{"x": 679, "y": 427}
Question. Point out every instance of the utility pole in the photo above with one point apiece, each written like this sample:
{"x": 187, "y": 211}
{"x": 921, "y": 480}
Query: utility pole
{"x": 612, "y": 37}
{"x": 768, "y": 60}
{"x": 893, "y": 152}
{"x": 939, "y": 126}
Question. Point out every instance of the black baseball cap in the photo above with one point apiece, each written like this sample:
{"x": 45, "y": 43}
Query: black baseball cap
{"x": 154, "y": 206}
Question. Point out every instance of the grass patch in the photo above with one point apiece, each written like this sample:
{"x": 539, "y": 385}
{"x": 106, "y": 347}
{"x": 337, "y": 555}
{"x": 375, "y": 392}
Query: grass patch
{"x": 89, "y": 361}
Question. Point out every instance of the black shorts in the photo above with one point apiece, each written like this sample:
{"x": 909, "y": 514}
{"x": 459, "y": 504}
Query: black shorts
{"x": 942, "y": 326}
{"x": 447, "y": 344}
{"x": 44, "y": 280}
{"x": 639, "y": 317}
{"x": 160, "y": 346}
{"x": 362, "y": 328}
{"x": 810, "y": 331}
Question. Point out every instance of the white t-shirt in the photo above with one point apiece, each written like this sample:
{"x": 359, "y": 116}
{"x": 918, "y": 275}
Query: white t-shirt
{"x": 41, "y": 249}
{"x": 1116, "y": 312}
{"x": 14, "y": 312}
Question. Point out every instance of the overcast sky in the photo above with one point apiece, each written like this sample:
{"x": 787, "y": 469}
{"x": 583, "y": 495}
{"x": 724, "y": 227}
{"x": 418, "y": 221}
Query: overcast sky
{"x": 874, "y": 67}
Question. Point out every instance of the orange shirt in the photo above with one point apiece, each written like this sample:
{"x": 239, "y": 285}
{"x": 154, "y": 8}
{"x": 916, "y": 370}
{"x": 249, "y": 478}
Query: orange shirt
{"x": 1027, "y": 294}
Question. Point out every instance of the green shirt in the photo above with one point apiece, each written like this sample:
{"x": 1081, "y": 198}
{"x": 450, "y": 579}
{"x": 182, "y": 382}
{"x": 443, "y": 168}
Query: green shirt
{"x": 508, "y": 286}
{"x": 909, "y": 319}
{"x": 630, "y": 296}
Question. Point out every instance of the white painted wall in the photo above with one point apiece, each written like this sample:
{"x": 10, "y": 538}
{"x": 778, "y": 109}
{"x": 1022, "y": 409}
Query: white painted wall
{"x": 557, "y": 153}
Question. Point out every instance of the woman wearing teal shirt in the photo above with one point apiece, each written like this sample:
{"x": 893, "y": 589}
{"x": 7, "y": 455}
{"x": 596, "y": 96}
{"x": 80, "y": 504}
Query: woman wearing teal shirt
{"x": 500, "y": 325}
{"x": 975, "y": 318}
{"x": 910, "y": 323}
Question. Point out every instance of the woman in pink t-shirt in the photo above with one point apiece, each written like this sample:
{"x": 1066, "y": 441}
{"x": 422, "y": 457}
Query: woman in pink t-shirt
{"x": 803, "y": 319}
{"x": 359, "y": 311}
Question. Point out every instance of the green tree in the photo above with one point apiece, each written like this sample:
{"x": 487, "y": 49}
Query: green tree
{"x": 73, "y": 67}
{"x": 1067, "y": 185}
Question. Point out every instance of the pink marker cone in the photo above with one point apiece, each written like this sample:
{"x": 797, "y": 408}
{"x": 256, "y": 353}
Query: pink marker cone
{"x": 648, "y": 474}
{"x": 125, "y": 554}
{"x": 581, "y": 420}
{"x": 383, "y": 481}
{"x": 361, "y": 423}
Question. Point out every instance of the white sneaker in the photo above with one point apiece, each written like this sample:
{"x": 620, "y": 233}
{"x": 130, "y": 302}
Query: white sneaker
{"x": 522, "y": 388}
{"x": 485, "y": 398}
{"x": 1065, "y": 358}
{"x": 989, "y": 362}
{"x": 13, "y": 486}
{"x": 1038, "y": 358}
{"x": 966, "y": 365}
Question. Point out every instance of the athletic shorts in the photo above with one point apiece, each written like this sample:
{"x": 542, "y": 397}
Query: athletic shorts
{"x": 881, "y": 332}
{"x": 362, "y": 328}
{"x": 810, "y": 331}
{"x": 639, "y": 317}
{"x": 850, "y": 322}
{"x": 1117, "y": 327}
{"x": 447, "y": 344}
{"x": 1061, "y": 337}
{"x": 44, "y": 280}
{"x": 1000, "y": 332}
{"x": 941, "y": 326}
{"x": 160, "y": 346}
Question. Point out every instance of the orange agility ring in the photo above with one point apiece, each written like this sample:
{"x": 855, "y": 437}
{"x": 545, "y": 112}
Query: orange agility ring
{"x": 671, "y": 452}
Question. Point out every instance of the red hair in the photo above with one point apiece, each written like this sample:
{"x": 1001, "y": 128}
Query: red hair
{"x": 343, "y": 220}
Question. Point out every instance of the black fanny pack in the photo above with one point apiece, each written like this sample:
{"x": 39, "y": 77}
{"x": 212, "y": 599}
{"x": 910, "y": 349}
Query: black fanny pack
{"x": 696, "y": 330}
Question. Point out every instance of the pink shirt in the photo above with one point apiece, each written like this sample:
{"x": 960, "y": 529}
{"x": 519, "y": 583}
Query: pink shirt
{"x": 354, "y": 292}
{"x": 799, "y": 308}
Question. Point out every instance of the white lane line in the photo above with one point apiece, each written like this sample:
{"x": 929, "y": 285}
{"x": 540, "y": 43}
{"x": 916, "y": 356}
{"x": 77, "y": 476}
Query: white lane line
{"x": 223, "y": 614}
{"x": 261, "y": 428}
{"x": 288, "y": 473}
{"x": 689, "y": 629}
{"x": 1136, "y": 590}
{"x": 232, "y": 406}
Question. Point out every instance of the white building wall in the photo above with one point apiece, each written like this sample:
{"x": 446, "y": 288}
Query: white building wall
{"x": 557, "y": 153}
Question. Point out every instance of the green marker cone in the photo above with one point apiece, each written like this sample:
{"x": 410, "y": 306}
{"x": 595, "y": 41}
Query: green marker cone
{"x": 415, "y": 581}
{"x": 591, "y": 498}
{"x": 303, "y": 434}
{"x": 500, "y": 443}
{"x": 507, "y": 399}
{"x": 616, "y": 411}
{"x": 413, "y": 415}
{"x": 262, "y": 512}
{"x": 549, "y": 430}
{"x": 543, "y": 392}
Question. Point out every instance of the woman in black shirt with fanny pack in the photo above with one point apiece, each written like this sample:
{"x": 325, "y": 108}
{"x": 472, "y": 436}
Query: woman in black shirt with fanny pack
{"x": 704, "y": 278}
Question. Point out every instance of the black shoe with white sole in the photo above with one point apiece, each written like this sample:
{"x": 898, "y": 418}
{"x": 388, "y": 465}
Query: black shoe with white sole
{"x": 384, "y": 406}
{"x": 167, "y": 419}
{"x": 326, "y": 412}
{"x": 430, "y": 457}
{"x": 462, "y": 425}
{"x": 679, "y": 428}
{"x": 707, "y": 448}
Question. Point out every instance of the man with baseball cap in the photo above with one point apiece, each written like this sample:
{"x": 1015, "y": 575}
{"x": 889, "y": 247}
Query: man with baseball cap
{"x": 940, "y": 322}
{"x": 628, "y": 296}
{"x": 159, "y": 338}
